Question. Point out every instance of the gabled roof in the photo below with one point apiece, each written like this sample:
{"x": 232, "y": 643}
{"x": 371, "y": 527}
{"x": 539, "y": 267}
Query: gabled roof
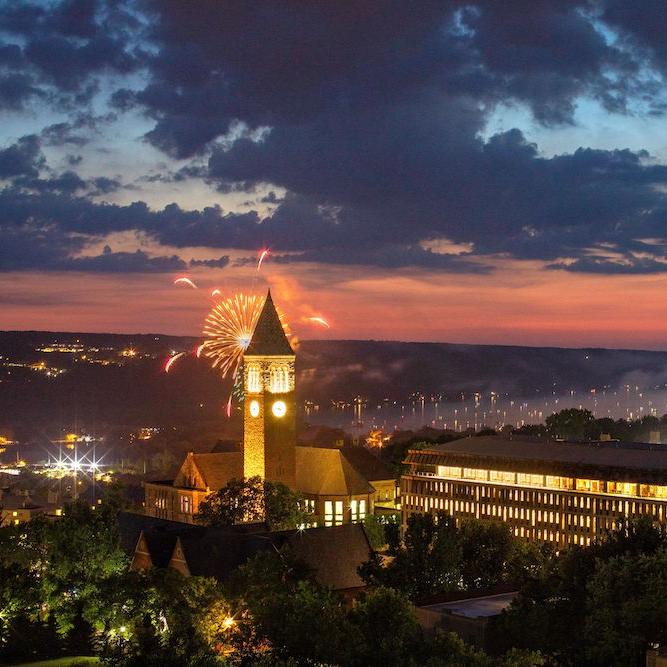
{"x": 368, "y": 464}
{"x": 332, "y": 553}
{"x": 269, "y": 336}
{"x": 209, "y": 471}
{"x": 327, "y": 472}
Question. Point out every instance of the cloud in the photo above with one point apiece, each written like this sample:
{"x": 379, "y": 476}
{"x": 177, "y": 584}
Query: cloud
{"x": 219, "y": 263}
{"x": 24, "y": 158}
{"x": 124, "y": 262}
{"x": 369, "y": 116}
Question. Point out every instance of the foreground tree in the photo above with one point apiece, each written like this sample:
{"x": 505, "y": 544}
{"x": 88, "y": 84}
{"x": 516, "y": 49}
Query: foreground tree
{"x": 254, "y": 500}
{"x": 436, "y": 556}
{"x": 596, "y": 606}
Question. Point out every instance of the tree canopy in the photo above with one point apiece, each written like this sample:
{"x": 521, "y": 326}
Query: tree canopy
{"x": 254, "y": 500}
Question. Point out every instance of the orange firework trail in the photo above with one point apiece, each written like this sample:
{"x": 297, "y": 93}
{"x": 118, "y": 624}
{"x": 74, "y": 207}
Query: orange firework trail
{"x": 319, "y": 320}
{"x": 172, "y": 360}
{"x": 185, "y": 281}
{"x": 262, "y": 255}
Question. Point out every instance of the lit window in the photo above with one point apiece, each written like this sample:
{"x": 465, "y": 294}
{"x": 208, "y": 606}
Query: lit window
{"x": 502, "y": 476}
{"x": 254, "y": 382}
{"x": 186, "y": 506}
{"x": 279, "y": 379}
{"x": 559, "y": 482}
{"x": 623, "y": 488}
{"x": 589, "y": 485}
{"x": 526, "y": 479}
{"x": 354, "y": 510}
{"x": 475, "y": 473}
{"x": 449, "y": 471}
{"x": 328, "y": 513}
{"x": 339, "y": 512}
{"x": 362, "y": 509}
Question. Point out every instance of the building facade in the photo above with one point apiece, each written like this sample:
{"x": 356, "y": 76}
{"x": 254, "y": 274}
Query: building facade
{"x": 547, "y": 491}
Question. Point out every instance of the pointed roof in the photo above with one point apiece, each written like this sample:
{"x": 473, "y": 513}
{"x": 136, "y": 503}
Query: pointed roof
{"x": 269, "y": 336}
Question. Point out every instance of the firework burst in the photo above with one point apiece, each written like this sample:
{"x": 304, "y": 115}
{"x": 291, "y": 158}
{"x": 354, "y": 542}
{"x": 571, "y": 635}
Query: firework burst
{"x": 228, "y": 330}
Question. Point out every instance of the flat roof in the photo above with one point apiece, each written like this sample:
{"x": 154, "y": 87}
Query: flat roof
{"x": 482, "y": 607}
{"x": 641, "y": 456}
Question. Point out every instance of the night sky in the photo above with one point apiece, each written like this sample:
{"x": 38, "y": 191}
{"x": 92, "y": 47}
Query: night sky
{"x": 450, "y": 171}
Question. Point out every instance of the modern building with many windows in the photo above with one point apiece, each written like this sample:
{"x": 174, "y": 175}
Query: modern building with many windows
{"x": 559, "y": 492}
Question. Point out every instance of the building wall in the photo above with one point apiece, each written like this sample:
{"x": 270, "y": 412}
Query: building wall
{"x": 562, "y": 516}
{"x": 337, "y": 510}
{"x": 19, "y": 515}
{"x": 385, "y": 490}
{"x": 173, "y": 503}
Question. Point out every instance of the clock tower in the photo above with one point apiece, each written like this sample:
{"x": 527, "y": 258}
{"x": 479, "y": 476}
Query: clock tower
{"x": 269, "y": 410}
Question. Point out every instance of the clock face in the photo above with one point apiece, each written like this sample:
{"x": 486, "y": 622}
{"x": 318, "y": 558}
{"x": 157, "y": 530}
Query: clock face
{"x": 254, "y": 408}
{"x": 279, "y": 409}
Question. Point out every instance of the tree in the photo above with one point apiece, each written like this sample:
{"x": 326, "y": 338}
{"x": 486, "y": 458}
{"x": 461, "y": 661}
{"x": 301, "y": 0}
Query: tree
{"x": 485, "y": 548}
{"x": 427, "y": 562}
{"x": 53, "y": 573}
{"x": 375, "y": 530}
{"x": 286, "y": 612}
{"x": 563, "y": 608}
{"x": 390, "y": 633}
{"x": 436, "y": 557}
{"x": 626, "y": 608}
{"x": 160, "y": 617}
{"x": 253, "y": 500}
{"x": 571, "y": 424}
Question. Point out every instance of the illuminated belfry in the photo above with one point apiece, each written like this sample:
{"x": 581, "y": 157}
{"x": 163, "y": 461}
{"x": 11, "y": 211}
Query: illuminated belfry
{"x": 269, "y": 413}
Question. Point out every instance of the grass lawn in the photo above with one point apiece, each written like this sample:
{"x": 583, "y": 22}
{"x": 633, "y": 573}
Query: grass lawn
{"x": 73, "y": 661}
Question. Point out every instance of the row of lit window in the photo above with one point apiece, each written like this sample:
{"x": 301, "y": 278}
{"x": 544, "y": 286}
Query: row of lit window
{"x": 553, "y": 482}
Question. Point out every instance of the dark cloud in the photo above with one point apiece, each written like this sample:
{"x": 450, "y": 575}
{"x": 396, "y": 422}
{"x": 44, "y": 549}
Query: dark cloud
{"x": 369, "y": 115}
{"x": 219, "y": 263}
{"x": 104, "y": 185}
{"x": 60, "y": 47}
{"x": 124, "y": 262}
{"x": 24, "y": 158}
{"x": 68, "y": 182}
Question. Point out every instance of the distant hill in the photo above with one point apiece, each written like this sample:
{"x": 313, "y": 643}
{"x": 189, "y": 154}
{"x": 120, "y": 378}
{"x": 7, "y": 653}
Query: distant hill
{"x": 379, "y": 369}
{"x": 135, "y": 390}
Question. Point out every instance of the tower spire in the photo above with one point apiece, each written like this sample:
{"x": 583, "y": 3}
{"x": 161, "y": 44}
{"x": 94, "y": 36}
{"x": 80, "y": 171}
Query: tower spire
{"x": 269, "y": 336}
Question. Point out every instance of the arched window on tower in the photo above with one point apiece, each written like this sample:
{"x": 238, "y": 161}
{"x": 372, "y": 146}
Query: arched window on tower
{"x": 254, "y": 381}
{"x": 279, "y": 379}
